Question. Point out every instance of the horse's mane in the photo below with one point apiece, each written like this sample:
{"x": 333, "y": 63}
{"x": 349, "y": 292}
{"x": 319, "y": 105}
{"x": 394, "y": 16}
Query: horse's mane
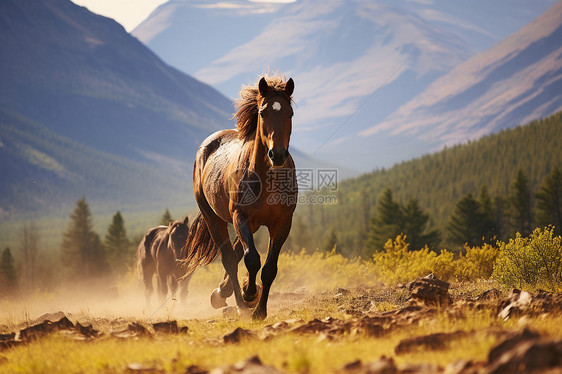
{"x": 247, "y": 105}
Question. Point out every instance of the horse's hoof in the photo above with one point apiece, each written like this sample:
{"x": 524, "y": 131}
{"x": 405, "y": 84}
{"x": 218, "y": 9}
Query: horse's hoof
{"x": 255, "y": 299}
{"x": 217, "y": 301}
{"x": 259, "y": 315}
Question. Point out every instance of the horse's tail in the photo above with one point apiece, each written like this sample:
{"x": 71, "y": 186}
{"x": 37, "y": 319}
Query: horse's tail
{"x": 199, "y": 249}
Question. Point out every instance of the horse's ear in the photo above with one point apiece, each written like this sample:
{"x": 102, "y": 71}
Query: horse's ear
{"x": 186, "y": 220}
{"x": 263, "y": 86}
{"x": 290, "y": 86}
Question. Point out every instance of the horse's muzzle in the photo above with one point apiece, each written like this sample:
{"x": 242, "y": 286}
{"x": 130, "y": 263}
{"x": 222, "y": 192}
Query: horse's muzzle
{"x": 278, "y": 156}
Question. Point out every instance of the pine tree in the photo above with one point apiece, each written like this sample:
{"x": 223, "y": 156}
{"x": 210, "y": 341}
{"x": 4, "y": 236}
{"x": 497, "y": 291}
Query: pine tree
{"x": 166, "y": 218}
{"x": 499, "y": 218}
{"x": 29, "y": 249}
{"x": 488, "y": 227}
{"x": 8, "y": 275}
{"x": 82, "y": 252}
{"x": 117, "y": 245}
{"x": 549, "y": 201}
{"x": 520, "y": 205}
{"x": 465, "y": 223}
{"x": 416, "y": 223}
{"x": 386, "y": 224}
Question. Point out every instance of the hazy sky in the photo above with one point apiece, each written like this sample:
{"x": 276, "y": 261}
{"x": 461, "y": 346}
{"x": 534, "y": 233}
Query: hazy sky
{"x": 130, "y": 13}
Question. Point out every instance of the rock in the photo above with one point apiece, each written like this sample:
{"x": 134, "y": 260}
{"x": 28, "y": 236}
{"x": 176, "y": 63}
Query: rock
{"x": 419, "y": 369}
{"x": 518, "y": 302}
{"x": 7, "y": 337}
{"x": 531, "y": 355}
{"x": 511, "y": 341}
{"x": 383, "y": 366}
{"x": 428, "y": 342}
{"x": 194, "y": 369}
{"x": 237, "y": 335}
{"x": 351, "y": 367}
{"x": 252, "y": 365}
{"x": 87, "y": 331}
{"x": 133, "y": 330}
{"x": 50, "y": 317}
{"x": 63, "y": 324}
{"x": 36, "y": 331}
{"x": 459, "y": 367}
{"x": 169, "y": 327}
{"x": 136, "y": 367}
{"x": 430, "y": 290}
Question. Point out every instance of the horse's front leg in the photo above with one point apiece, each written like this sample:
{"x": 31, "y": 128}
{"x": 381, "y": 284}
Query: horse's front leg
{"x": 277, "y": 237}
{"x": 251, "y": 257}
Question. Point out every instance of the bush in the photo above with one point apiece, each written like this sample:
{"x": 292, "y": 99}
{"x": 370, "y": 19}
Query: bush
{"x": 477, "y": 263}
{"x": 396, "y": 264}
{"x": 322, "y": 271}
{"x": 532, "y": 262}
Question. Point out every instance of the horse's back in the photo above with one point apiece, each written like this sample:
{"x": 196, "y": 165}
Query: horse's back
{"x": 212, "y": 166}
{"x": 144, "y": 249}
{"x": 220, "y": 146}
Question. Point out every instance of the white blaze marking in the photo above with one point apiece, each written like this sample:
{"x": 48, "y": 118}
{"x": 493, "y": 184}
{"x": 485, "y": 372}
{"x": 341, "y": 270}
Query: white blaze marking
{"x": 276, "y": 106}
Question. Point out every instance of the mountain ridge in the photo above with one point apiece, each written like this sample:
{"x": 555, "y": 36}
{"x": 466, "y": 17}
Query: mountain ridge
{"x": 350, "y": 83}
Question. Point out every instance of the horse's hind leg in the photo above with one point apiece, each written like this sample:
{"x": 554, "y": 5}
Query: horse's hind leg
{"x": 162, "y": 285}
{"x": 219, "y": 233}
{"x": 147, "y": 275}
{"x": 225, "y": 289}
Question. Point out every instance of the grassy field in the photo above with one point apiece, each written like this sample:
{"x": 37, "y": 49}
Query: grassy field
{"x": 325, "y": 312}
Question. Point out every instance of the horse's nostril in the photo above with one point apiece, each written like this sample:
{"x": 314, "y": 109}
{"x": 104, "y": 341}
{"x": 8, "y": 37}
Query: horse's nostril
{"x": 270, "y": 154}
{"x": 286, "y": 153}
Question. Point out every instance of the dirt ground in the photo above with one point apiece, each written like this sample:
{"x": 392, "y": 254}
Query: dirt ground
{"x": 416, "y": 319}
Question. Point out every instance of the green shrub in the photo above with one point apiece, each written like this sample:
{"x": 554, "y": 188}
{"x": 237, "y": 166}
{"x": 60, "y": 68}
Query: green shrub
{"x": 532, "y": 262}
{"x": 477, "y": 263}
{"x": 397, "y": 264}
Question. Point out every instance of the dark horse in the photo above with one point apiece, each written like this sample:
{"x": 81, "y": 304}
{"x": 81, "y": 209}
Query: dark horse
{"x": 246, "y": 177}
{"x": 157, "y": 254}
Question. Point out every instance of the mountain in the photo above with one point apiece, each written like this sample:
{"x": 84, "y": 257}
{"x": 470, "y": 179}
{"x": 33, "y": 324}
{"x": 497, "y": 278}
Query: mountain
{"x": 516, "y": 81}
{"x": 86, "y": 109}
{"x": 354, "y": 62}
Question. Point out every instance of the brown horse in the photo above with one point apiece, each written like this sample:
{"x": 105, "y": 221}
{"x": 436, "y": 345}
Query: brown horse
{"x": 246, "y": 177}
{"x": 157, "y": 254}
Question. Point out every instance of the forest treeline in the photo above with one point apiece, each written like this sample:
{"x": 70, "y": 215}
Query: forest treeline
{"x": 83, "y": 258}
{"x": 442, "y": 185}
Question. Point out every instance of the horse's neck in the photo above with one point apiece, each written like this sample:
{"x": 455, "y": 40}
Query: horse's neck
{"x": 258, "y": 162}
